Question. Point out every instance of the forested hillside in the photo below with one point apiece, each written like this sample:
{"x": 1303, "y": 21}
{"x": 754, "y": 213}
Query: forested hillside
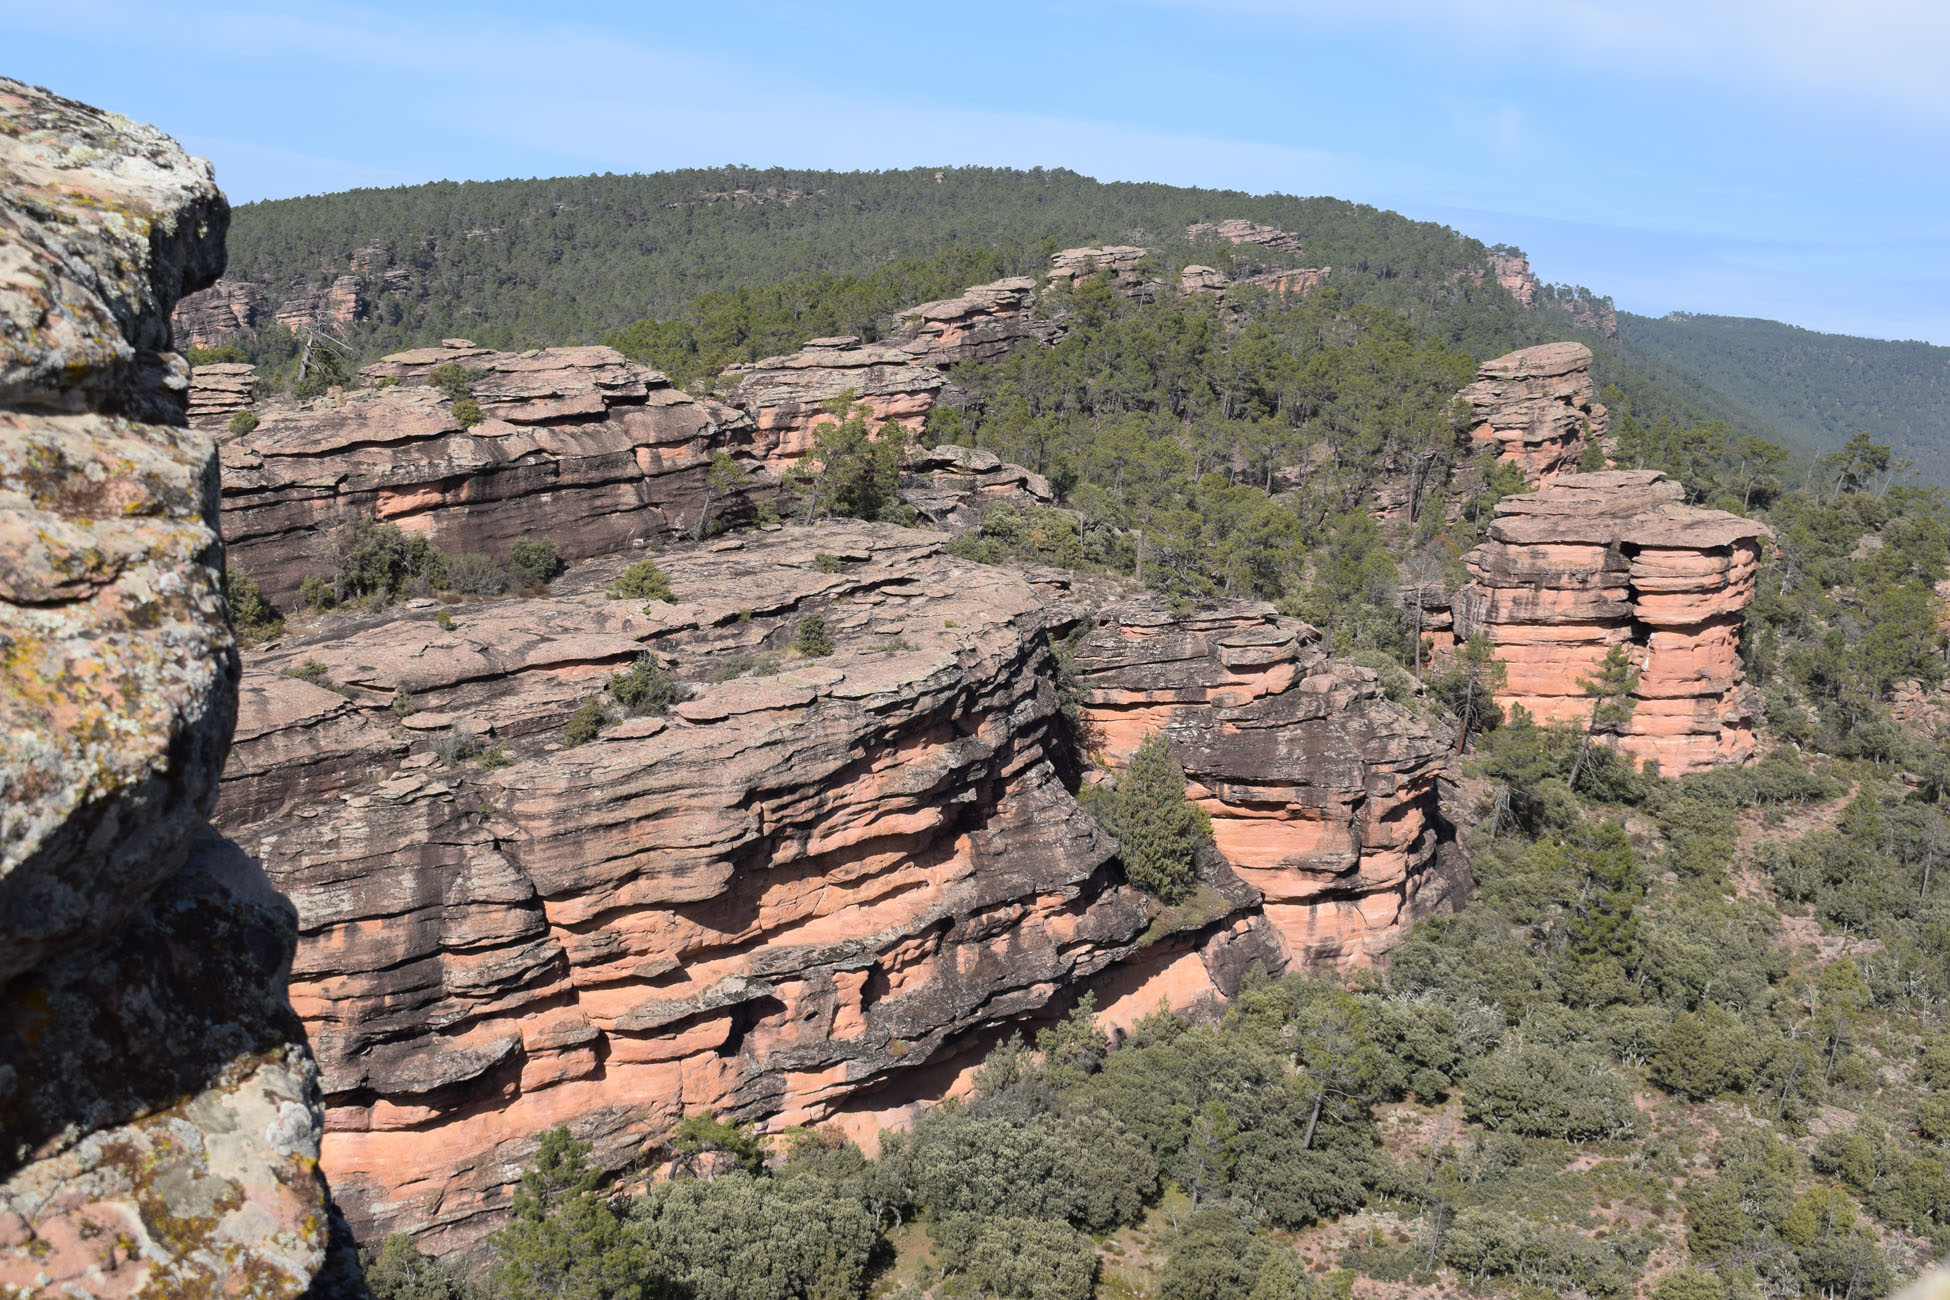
{"x": 737, "y": 263}
{"x": 1686, "y": 1042}
{"x": 1817, "y": 390}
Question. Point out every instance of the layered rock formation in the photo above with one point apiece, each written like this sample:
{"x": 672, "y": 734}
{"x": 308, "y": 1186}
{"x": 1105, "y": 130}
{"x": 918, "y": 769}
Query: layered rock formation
{"x": 1536, "y": 408}
{"x": 1075, "y": 265}
{"x": 157, "y": 1105}
{"x": 811, "y": 893}
{"x": 227, "y": 310}
{"x": 1598, "y": 560}
{"x": 785, "y": 397}
{"x": 1237, "y": 230}
{"x": 218, "y": 392}
{"x": 578, "y": 445}
{"x": 983, "y": 323}
{"x": 949, "y": 486}
{"x": 1512, "y": 271}
{"x": 1323, "y": 794}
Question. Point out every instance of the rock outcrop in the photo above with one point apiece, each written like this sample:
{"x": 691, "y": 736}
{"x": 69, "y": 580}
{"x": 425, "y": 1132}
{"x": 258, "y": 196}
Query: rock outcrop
{"x": 1512, "y": 271}
{"x": 812, "y": 893}
{"x": 1323, "y": 794}
{"x": 983, "y": 323}
{"x": 218, "y": 392}
{"x": 1120, "y": 261}
{"x": 577, "y": 445}
{"x": 1237, "y": 230}
{"x": 157, "y": 1105}
{"x": 1536, "y": 408}
{"x": 785, "y": 397}
{"x": 1598, "y": 560}
{"x": 949, "y": 486}
{"x": 1202, "y": 279}
{"x": 226, "y": 311}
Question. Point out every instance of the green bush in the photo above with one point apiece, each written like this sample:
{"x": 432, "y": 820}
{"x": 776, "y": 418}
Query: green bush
{"x": 585, "y": 724}
{"x": 378, "y": 561}
{"x": 826, "y": 563}
{"x": 495, "y": 756}
{"x": 811, "y": 640}
{"x": 466, "y": 412}
{"x": 453, "y": 380}
{"x": 1023, "y": 1259}
{"x": 311, "y": 670}
{"x": 243, "y": 421}
{"x": 1548, "y": 1092}
{"x": 443, "y": 620}
{"x": 643, "y": 580}
{"x": 315, "y": 592}
{"x": 646, "y": 689}
{"x": 403, "y": 704}
{"x": 252, "y": 616}
{"x": 1161, "y": 833}
{"x": 533, "y": 561}
{"x": 229, "y": 352}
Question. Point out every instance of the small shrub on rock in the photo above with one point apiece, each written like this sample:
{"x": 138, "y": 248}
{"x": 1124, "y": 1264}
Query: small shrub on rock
{"x": 403, "y": 704}
{"x": 1162, "y": 833}
{"x": 315, "y": 592}
{"x": 251, "y": 615}
{"x": 646, "y": 689}
{"x": 311, "y": 671}
{"x": 444, "y": 621}
{"x": 642, "y": 581}
{"x": 826, "y": 563}
{"x": 466, "y": 412}
{"x": 454, "y": 381}
{"x": 243, "y": 421}
{"x": 812, "y": 641}
{"x": 457, "y": 745}
{"x": 476, "y": 575}
{"x": 585, "y": 724}
{"x": 533, "y": 561}
{"x": 495, "y": 756}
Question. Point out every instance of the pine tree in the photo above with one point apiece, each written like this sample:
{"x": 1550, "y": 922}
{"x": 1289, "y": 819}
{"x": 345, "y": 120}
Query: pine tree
{"x": 1611, "y": 701}
{"x": 566, "y": 1242}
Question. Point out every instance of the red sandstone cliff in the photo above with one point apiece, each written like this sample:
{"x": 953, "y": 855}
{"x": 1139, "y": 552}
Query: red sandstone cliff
{"x": 1323, "y": 794}
{"x": 810, "y": 896}
{"x": 579, "y": 445}
{"x": 785, "y": 396}
{"x": 157, "y": 1103}
{"x": 1597, "y": 560}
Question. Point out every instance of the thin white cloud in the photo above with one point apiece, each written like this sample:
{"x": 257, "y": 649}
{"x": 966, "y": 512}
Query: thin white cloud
{"x": 1878, "y": 54}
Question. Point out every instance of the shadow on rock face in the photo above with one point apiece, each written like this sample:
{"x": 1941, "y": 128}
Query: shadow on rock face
{"x": 158, "y": 1101}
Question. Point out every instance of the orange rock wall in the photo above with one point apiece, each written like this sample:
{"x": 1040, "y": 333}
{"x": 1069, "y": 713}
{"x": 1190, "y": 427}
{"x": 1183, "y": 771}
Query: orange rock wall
{"x": 1598, "y": 560}
{"x": 1323, "y": 794}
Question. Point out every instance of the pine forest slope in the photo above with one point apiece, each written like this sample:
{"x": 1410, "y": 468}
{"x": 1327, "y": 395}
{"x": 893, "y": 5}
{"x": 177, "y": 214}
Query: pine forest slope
{"x": 768, "y": 259}
{"x": 1815, "y": 389}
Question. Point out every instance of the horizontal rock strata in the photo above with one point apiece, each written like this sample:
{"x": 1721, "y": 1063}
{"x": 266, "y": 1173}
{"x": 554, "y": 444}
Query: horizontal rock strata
{"x": 158, "y": 1121}
{"x": 786, "y": 397}
{"x": 578, "y": 445}
{"x": 1323, "y": 794}
{"x": 1536, "y": 409}
{"x": 984, "y": 323}
{"x": 1598, "y": 560}
{"x": 810, "y": 894}
{"x": 1237, "y": 230}
{"x": 949, "y": 486}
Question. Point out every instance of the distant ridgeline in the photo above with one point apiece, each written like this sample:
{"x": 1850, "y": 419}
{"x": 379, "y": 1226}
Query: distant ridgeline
{"x": 1817, "y": 390}
{"x": 693, "y": 270}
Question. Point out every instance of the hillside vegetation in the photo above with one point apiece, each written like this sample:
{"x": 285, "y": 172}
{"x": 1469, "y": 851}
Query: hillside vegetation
{"x": 1817, "y": 390}
{"x": 1686, "y": 1043}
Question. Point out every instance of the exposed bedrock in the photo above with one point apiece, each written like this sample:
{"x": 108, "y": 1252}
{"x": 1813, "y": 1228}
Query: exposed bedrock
{"x": 1323, "y": 794}
{"x": 577, "y": 445}
{"x": 1536, "y": 408}
{"x": 983, "y": 323}
{"x": 1598, "y": 560}
{"x": 786, "y": 397}
{"x": 158, "y": 1115}
{"x": 803, "y": 897}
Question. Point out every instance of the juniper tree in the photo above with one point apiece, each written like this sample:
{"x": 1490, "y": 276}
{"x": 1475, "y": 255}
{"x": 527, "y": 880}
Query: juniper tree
{"x": 1611, "y": 702}
{"x": 1161, "y": 831}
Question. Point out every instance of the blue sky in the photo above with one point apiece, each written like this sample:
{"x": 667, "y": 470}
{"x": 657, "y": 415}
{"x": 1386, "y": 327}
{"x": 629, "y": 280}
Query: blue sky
{"x": 1786, "y": 159}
